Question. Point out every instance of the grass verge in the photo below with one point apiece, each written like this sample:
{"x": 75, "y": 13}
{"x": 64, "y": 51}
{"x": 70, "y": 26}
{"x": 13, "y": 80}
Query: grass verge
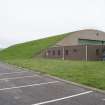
{"x": 87, "y": 73}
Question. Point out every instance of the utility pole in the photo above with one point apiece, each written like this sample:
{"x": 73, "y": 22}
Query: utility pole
{"x": 63, "y": 53}
{"x": 86, "y": 48}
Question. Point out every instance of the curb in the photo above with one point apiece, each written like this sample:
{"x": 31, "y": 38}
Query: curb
{"x": 77, "y": 84}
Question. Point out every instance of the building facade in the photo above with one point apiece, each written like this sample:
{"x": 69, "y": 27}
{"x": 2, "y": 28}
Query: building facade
{"x": 80, "y": 45}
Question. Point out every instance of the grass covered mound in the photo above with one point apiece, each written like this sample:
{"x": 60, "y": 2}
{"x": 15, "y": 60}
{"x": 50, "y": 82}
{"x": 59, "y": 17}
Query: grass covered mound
{"x": 27, "y": 50}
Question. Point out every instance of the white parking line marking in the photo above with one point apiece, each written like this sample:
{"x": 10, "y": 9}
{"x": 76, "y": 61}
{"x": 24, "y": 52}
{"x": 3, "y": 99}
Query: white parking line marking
{"x": 33, "y": 85}
{"x": 103, "y": 99}
{"x": 13, "y": 73}
{"x": 19, "y": 77}
{"x": 60, "y": 99}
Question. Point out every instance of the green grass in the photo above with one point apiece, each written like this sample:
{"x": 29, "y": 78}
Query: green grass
{"x": 1, "y": 49}
{"x": 87, "y": 73}
{"x": 29, "y": 49}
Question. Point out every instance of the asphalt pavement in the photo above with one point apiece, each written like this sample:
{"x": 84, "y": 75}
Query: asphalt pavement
{"x": 23, "y": 87}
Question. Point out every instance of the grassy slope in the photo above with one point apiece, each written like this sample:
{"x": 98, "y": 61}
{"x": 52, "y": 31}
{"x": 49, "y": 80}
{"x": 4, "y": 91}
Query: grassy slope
{"x": 29, "y": 49}
{"x": 88, "y": 73}
{"x": 1, "y": 49}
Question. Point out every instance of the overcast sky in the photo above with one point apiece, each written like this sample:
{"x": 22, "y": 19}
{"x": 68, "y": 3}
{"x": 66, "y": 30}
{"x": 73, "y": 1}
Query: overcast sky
{"x": 23, "y": 20}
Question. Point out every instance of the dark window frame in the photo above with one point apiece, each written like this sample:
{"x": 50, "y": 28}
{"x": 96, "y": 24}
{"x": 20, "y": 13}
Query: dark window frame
{"x": 53, "y": 52}
{"x": 103, "y": 50}
{"x": 75, "y": 50}
{"x": 97, "y": 52}
{"x": 66, "y": 52}
{"x": 59, "y": 52}
{"x": 49, "y": 51}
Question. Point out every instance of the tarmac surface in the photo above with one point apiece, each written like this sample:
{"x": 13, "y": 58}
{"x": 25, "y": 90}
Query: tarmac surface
{"x": 20, "y": 87}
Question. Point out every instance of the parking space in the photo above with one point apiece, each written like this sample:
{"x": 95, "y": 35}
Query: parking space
{"x": 15, "y": 74}
{"x": 18, "y": 87}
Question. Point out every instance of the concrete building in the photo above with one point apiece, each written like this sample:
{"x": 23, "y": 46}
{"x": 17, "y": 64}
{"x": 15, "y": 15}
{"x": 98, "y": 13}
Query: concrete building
{"x": 79, "y": 45}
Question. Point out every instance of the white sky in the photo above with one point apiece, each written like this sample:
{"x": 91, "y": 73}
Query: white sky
{"x": 23, "y": 20}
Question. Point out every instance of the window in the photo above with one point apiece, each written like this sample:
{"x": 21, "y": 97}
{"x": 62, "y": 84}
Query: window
{"x": 49, "y": 51}
{"x": 67, "y": 52}
{"x": 97, "y": 52}
{"x": 59, "y": 52}
{"x": 53, "y": 52}
{"x": 75, "y": 50}
{"x": 103, "y": 51}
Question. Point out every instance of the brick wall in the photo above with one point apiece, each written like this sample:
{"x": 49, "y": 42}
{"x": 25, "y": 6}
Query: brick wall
{"x": 94, "y": 52}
